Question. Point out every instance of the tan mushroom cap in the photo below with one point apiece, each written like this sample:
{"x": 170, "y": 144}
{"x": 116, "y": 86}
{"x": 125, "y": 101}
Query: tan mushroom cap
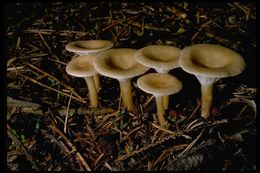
{"x": 159, "y": 84}
{"x": 159, "y": 56}
{"x": 89, "y": 46}
{"x": 119, "y": 64}
{"x": 82, "y": 66}
{"x": 212, "y": 61}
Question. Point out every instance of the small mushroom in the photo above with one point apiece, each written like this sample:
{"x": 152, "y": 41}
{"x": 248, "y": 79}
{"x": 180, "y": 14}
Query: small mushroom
{"x": 120, "y": 64}
{"x": 86, "y": 47}
{"x": 160, "y": 57}
{"x": 209, "y": 63}
{"x": 159, "y": 85}
{"x": 82, "y": 66}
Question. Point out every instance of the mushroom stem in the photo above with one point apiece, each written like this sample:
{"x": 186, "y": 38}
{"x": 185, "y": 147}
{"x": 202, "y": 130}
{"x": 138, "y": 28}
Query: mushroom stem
{"x": 160, "y": 110}
{"x": 126, "y": 90}
{"x": 96, "y": 81}
{"x": 92, "y": 92}
{"x": 165, "y": 98}
{"x": 206, "y": 99}
{"x": 165, "y": 102}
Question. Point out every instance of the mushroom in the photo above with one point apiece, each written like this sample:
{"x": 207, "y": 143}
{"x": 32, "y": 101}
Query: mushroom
{"x": 82, "y": 66}
{"x": 160, "y": 57}
{"x": 120, "y": 64}
{"x": 86, "y": 47}
{"x": 209, "y": 63}
{"x": 159, "y": 85}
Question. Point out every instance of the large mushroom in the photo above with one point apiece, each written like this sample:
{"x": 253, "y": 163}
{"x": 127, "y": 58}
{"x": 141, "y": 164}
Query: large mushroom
{"x": 87, "y": 47}
{"x": 160, "y": 57}
{"x": 82, "y": 66}
{"x": 209, "y": 63}
{"x": 120, "y": 64}
{"x": 159, "y": 85}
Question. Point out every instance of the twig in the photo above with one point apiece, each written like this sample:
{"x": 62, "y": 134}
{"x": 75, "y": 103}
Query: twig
{"x": 81, "y": 159}
{"x": 45, "y": 43}
{"x": 200, "y": 29}
{"x": 109, "y": 167}
{"x": 245, "y": 9}
{"x": 67, "y": 113}
{"x": 165, "y": 130}
{"x": 192, "y": 143}
{"x": 119, "y": 21}
{"x": 148, "y": 101}
{"x": 219, "y": 39}
{"x": 58, "y": 61}
{"x": 128, "y": 134}
{"x": 15, "y": 68}
{"x": 50, "y": 31}
{"x": 195, "y": 110}
{"x": 18, "y": 43}
{"x": 43, "y": 85}
{"x": 60, "y": 144}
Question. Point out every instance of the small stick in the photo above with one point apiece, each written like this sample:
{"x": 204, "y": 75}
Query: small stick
{"x": 192, "y": 143}
{"x": 58, "y": 61}
{"x": 119, "y": 21}
{"x": 131, "y": 132}
{"x": 200, "y": 29}
{"x": 15, "y": 68}
{"x": 48, "y": 47}
{"x": 195, "y": 110}
{"x": 245, "y": 9}
{"x": 60, "y": 144}
{"x": 49, "y": 32}
{"x": 148, "y": 101}
{"x": 46, "y": 86}
{"x": 18, "y": 43}
{"x": 165, "y": 130}
{"x": 67, "y": 113}
{"x": 81, "y": 159}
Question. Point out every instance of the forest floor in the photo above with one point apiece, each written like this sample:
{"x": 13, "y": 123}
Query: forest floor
{"x": 50, "y": 126}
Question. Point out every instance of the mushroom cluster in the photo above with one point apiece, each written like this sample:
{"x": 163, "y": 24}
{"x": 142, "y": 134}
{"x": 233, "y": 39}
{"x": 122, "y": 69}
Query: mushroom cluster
{"x": 160, "y": 57}
{"x": 89, "y": 47}
{"x": 208, "y": 62}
